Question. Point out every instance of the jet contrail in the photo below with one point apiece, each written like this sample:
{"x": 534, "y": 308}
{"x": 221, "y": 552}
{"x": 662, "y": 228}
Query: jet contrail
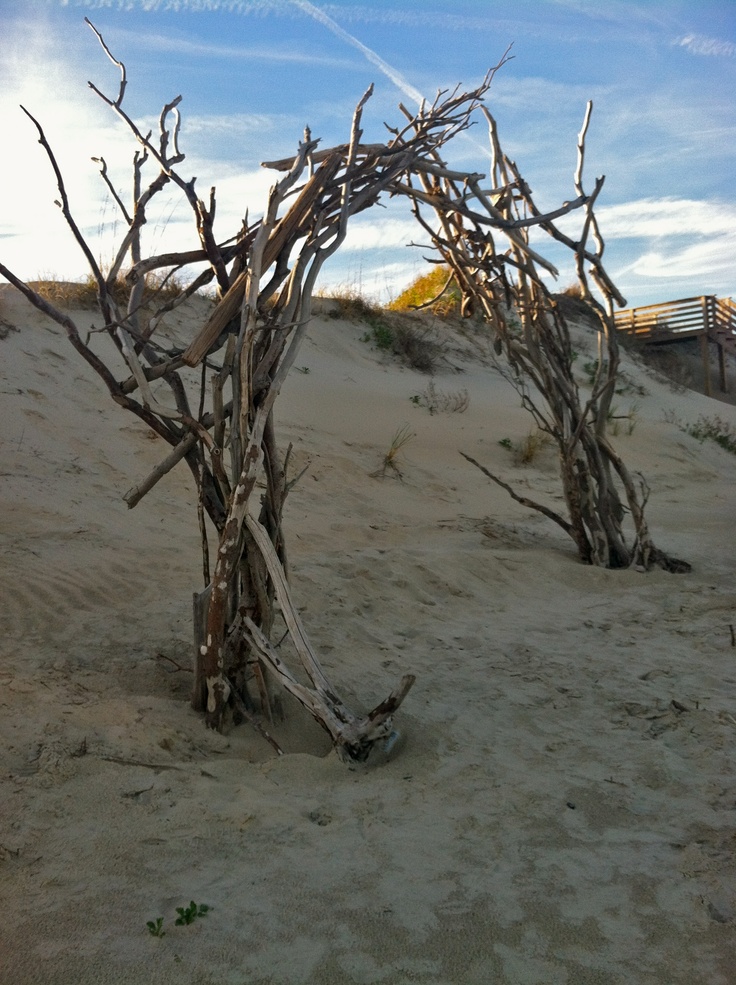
{"x": 398, "y": 80}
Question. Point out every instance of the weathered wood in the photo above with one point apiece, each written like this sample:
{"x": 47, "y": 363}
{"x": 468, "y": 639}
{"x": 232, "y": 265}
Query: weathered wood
{"x": 353, "y": 737}
{"x": 290, "y": 226}
{"x": 506, "y": 288}
{"x": 200, "y": 606}
{"x": 317, "y": 157}
{"x": 706, "y": 318}
{"x": 266, "y": 276}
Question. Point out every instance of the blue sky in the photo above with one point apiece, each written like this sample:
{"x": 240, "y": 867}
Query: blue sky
{"x": 662, "y": 76}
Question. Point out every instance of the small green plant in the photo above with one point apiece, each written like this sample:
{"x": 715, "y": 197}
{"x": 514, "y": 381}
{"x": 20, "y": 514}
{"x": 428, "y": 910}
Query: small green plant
{"x": 591, "y": 371}
{"x": 381, "y": 335}
{"x": 615, "y": 419}
{"x": 416, "y": 347}
{"x": 400, "y": 438}
{"x": 714, "y": 429}
{"x": 156, "y": 927}
{"x": 188, "y": 914}
{"x": 527, "y": 450}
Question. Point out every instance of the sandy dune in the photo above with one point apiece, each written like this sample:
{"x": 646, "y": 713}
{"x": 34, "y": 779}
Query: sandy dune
{"x": 562, "y": 808}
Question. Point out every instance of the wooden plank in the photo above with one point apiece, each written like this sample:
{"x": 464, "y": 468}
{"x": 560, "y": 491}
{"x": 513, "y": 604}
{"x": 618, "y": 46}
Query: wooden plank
{"x": 663, "y": 304}
{"x": 668, "y": 321}
{"x": 662, "y": 338}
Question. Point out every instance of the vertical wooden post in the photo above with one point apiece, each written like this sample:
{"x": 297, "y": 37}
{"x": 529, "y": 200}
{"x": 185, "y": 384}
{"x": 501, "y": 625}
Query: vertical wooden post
{"x": 704, "y": 345}
{"x": 721, "y": 331}
{"x": 722, "y": 368}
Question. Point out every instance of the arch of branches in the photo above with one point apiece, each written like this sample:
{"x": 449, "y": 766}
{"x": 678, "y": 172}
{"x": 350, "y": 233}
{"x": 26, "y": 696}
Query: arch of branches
{"x": 219, "y": 420}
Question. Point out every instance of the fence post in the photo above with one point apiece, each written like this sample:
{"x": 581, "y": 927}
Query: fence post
{"x": 704, "y": 344}
{"x": 720, "y": 328}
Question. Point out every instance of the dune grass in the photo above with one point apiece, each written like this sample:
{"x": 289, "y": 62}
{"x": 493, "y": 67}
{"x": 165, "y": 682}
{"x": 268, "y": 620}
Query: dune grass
{"x": 82, "y": 294}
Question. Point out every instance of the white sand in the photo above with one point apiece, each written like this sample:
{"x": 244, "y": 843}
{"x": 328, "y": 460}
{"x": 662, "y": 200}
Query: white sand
{"x": 551, "y": 816}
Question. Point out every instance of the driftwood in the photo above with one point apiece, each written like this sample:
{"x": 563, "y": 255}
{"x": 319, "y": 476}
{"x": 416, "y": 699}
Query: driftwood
{"x": 222, "y": 426}
{"x": 500, "y": 282}
{"x": 219, "y": 419}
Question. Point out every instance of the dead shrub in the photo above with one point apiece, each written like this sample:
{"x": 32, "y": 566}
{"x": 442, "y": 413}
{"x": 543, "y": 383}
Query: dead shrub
{"x": 439, "y": 402}
{"x": 415, "y": 347}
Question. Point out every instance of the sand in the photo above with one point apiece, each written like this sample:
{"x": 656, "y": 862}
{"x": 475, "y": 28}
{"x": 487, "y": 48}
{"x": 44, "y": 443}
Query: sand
{"x": 561, "y": 807}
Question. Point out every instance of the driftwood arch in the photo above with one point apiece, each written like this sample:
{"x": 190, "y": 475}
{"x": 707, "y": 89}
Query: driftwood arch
{"x": 213, "y": 403}
{"x": 482, "y": 234}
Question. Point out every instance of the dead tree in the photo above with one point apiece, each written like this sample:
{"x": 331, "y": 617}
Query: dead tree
{"x": 482, "y": 233}
{"x": 214, "y": 402}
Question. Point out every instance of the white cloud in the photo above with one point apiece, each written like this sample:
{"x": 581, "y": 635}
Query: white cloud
{"x": 705, "y": 261}
{"x": 380, "y": 233}
{"x": 423, "y": 17}
{"x": 698, "y": 44}
{"x": 50, "y": 82}
{"x": 199, "y": 49}
{"x": 685, "y": 247}
{"x": 652, "y": 218}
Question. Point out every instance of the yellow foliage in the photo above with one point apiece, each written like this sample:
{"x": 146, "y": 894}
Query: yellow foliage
{"x": 425, "y": 288}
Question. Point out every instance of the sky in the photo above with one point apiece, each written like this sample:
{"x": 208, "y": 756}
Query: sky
{"x": 253, "y": 73}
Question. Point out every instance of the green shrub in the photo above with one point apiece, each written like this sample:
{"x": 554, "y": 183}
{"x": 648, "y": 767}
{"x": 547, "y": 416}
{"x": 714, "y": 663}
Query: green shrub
{"x": 714, "y": 429}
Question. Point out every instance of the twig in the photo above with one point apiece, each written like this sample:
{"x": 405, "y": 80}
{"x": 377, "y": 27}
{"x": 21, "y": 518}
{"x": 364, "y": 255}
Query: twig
{"x": 138, "y": 762}
{"x": 252, "y": 720}
{"x": 134, "y": 495}
{"x": 524, "y": 500}
{"x": 186, "y": 670}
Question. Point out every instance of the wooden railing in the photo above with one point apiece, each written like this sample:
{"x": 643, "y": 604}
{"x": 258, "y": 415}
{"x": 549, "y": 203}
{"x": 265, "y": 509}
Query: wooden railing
{"x": 707, "y": 317}
{"x": 724, "y": 323}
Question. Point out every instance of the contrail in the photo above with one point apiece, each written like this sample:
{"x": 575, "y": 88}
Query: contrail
{"x": 398, "y": 80}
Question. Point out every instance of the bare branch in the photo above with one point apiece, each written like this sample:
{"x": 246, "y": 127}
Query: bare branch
{"x": 120, "y": 65}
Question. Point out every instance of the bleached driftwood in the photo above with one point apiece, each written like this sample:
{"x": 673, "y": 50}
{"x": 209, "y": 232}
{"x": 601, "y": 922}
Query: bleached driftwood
{"x": 501, "y": 282}
{"x": 223, "y": 427}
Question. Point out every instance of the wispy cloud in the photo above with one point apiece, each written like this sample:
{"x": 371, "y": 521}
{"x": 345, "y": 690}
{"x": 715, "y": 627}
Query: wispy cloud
{"x": 688, "y": 244}
{"x": 392, "y": 17}
{"x": 705, "y": 262}
{"x": 422, "y": 17}
{"x": 698, "y": 44}
{"x": 182, "y": 6}
{"x": 380, "y": 234}
{"x": 254, "y": 7}
{"x": 619, "y": 12}
{"x": 651, "y": 218}
{"x": 201, "y": 49}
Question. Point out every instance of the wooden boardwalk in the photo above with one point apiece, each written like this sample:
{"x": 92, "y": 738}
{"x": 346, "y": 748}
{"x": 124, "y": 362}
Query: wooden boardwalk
{"x": 708, "y": 318}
